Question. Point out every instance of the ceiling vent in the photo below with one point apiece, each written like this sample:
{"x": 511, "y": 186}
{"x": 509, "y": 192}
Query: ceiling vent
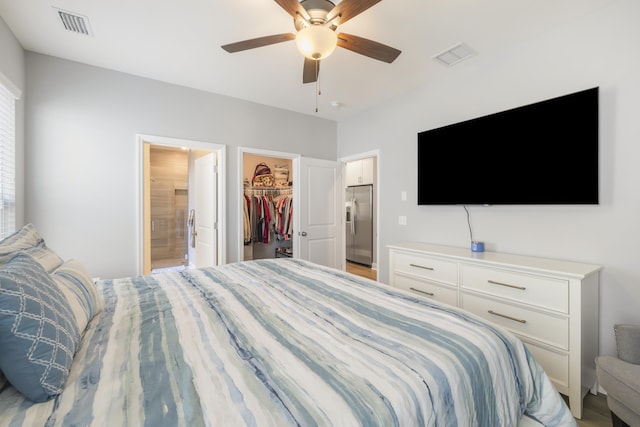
{"x": 73, "y": 22}
{"x": 455, "y": 54}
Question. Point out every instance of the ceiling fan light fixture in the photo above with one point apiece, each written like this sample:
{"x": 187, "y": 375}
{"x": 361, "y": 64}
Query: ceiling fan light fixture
{"x": 316, "y": 41}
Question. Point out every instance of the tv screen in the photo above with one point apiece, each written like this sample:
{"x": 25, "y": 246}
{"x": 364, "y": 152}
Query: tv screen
{"x": 539, "y": 154}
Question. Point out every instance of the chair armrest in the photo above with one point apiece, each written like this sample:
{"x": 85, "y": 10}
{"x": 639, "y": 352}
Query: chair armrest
{"x": 620, "y": 379}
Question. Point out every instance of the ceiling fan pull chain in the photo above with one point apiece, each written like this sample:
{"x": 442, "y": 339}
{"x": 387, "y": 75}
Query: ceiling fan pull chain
{"x": 318, "y": 76}
{"x": 317, "y": 85}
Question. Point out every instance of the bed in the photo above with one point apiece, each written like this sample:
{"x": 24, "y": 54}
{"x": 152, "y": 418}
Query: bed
{"x": 280, "y": 342}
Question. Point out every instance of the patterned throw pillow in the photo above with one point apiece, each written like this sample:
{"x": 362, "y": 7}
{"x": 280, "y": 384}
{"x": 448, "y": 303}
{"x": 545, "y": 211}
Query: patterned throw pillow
{"x": 27, "y": 239}
{"x": 75, "y": 282}
{"x": 38, "y": 332}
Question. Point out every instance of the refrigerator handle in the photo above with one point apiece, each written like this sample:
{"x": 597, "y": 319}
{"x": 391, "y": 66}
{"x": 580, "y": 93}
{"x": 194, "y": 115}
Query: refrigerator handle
{"x": 349, "y": 218}
{"x": 354, "y": 210}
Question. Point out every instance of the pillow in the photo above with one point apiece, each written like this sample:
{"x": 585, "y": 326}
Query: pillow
{"x": 75, "y": 282}
{"x": 628, "y": 342}
{"x": 25, "y": 238}
{"x": 38, "y": 333}
{"x": 28, "y": 239}
{"x": 47, "y": 258}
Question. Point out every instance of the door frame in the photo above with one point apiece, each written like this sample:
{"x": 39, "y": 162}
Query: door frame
{"x": 142, "y": 209}
{"x": 295, "y": 165}
{"x": 343, "y": 161}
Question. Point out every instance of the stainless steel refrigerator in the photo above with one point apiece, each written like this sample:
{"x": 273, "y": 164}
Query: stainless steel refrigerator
{"x": 359, "y": 224}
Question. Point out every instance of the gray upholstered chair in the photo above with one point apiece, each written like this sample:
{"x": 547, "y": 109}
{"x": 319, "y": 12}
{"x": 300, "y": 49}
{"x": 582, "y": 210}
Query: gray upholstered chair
{"x": 620, "y": 377}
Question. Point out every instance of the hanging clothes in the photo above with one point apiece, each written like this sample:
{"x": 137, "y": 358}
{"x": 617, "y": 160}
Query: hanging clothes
{"x": 246, "y": 221}
{"x": 268, "y": 215}
{"x": 284, "y": 216}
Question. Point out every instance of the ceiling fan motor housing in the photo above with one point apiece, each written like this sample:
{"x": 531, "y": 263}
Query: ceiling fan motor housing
{"x": 318, "y": 11}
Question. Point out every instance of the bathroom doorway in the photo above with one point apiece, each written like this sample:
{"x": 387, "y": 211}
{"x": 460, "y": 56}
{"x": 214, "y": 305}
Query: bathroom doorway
{"x": 170, "y": 229}
{"x": 182, "y": 204}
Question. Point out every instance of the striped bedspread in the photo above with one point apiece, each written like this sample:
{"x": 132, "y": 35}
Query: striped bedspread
{"x": 288, "y": 343}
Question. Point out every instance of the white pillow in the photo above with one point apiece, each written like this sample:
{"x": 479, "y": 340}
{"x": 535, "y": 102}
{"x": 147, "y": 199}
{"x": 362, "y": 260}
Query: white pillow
{"x": 76, "y": 284}
{"x": 28, "y": 240}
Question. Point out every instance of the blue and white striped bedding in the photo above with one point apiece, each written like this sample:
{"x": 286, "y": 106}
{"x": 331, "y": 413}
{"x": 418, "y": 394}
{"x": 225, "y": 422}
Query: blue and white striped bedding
{"x": 288, "y": 343}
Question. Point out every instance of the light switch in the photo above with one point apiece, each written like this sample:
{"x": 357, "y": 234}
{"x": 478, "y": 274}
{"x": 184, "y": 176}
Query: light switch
{"x": 403, "y": 196}
{"x": 402, "y": 220}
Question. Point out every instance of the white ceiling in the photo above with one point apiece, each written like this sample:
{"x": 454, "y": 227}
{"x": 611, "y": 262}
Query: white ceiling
{"x": 178, "y": 41}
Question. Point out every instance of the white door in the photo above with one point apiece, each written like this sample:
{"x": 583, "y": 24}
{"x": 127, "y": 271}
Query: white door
{"x": 319, "y": 232}
{"x": 205, "y": 210}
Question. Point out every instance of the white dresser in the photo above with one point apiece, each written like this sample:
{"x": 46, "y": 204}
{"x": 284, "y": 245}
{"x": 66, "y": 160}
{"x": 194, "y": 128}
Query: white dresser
{"x": 552, "y": 305}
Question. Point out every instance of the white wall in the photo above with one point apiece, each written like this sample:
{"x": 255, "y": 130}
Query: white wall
{"x": 12, "y": 66}
{"x": 600, "y": 49}
{"x": 81, "y": 157}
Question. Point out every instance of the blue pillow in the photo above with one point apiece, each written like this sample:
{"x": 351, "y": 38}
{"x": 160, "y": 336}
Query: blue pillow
{"x": 38, "y": 333}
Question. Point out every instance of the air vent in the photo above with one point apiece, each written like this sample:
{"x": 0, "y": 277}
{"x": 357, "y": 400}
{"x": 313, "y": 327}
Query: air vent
{"x": 73, "y": 22}
{"x": 455, "y": 54}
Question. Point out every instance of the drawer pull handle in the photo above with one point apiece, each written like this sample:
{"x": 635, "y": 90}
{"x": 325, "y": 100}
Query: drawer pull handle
{"x": 507, "y": 317}
{"x": 522, "y": 288}
{"x": 421, "y": 266}
{"x": 422, "y": 292}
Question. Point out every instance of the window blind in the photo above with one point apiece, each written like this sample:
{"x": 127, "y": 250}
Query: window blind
{"x": 7, "y": 159}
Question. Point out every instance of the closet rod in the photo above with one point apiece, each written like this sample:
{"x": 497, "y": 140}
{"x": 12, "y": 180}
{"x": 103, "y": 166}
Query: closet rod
{"x": 261, "y": 191}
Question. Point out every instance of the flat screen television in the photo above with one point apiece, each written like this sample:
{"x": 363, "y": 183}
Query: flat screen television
{"x": 544, "y": 153}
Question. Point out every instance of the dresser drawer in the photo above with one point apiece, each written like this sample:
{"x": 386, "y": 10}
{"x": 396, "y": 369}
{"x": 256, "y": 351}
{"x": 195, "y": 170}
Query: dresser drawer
{"x": 431, "y": 268}
{"x": 540, "y": 291}
{"x": 555, "y": 364}
{"x": 546, "y": 328}
{"x": 427, "y": 289}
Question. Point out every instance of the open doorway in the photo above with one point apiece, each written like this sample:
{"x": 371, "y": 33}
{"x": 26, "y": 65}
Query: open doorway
{"x": 169, "y": 208}
{"x": 316, "y": 185}
{"x": 360, "y": 214}
{"x": 268, "y": 202}
{"x": 181, "y": 205}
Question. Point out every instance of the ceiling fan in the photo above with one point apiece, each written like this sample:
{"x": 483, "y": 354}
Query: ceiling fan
{"x": 315, "y": 22}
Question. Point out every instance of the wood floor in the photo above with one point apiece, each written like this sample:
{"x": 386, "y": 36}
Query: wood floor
{"x": 362, "y": 270}
{"x": 595, "y": 412}
{"x": 164, "y": 263}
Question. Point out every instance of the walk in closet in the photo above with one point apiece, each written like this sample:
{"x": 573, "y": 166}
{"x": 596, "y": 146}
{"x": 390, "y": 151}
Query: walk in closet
{"x": 268, "y": 207}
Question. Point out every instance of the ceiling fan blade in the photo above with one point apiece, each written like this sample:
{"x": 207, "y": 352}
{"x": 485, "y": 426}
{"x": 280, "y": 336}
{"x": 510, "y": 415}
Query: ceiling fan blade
{"x": 293, "y": 8}
{"x": 310, "y": 70}
{"x": 350, "y": 8}
{"x": 368, "y": 48}
{"x": 258, "y": 42}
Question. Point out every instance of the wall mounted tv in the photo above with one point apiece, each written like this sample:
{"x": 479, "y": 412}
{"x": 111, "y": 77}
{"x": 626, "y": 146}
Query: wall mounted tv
{"x": 539, "y": 154}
